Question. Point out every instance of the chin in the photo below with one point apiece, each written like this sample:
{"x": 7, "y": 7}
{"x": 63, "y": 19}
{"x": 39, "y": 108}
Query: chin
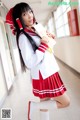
{"x": 31, "y": 24}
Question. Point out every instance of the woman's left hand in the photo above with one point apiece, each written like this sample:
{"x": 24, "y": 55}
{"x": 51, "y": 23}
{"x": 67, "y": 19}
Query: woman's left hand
{"x": 50, "y": 34}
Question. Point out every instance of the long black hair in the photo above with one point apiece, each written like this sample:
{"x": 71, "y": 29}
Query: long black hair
{"x": 17, "y": 12}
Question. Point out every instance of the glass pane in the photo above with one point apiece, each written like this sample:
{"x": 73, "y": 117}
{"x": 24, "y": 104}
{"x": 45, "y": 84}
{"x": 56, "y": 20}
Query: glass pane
{"x": 51, "y": 25}
{"x": 45, "y": 27}
{"x": 55, "y": 15}
{"x": 68, "y": 9}
{"x": 67, "y": 32}
{"x": 58, "y": 12}
{"x": 65, "y": 18}
{"x": 3, "y": 34}
{"x": 60, "y": 32}
{"x": 63, "y": 8}
{"x": 59, "y": 22}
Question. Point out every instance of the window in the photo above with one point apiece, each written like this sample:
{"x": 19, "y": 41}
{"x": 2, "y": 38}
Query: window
{"x": 50, "y": 26}
{"x": 61, "y": 20}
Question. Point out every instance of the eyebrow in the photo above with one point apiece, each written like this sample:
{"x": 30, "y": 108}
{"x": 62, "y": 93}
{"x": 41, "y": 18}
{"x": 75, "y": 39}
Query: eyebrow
{"x": 26, "y": 11}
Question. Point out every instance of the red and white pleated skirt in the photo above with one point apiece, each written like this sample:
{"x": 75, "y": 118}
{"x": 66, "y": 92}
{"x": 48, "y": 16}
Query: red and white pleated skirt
{"x": 49, "y": 87}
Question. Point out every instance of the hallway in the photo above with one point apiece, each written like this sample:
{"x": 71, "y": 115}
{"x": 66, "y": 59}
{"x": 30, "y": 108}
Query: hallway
{"x": 21, "y": 93}
{"x": 61, "y": 18}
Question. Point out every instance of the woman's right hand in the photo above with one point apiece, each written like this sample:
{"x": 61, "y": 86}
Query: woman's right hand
{"x": 44, "y": 40}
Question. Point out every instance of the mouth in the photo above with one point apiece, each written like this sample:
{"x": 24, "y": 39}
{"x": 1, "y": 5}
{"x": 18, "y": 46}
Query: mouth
{"x": 31, "y": 20}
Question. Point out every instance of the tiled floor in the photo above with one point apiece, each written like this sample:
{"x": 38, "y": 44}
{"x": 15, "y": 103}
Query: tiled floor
{"x": 21, "y": 93}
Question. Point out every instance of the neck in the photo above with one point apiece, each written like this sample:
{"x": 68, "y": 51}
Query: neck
{"x": 30, "y": 28}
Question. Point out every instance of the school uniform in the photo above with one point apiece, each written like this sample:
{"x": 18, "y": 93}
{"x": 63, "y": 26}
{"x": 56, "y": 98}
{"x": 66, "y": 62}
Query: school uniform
{"x": 43, "y": 67}
{"x": 45, "y": 78}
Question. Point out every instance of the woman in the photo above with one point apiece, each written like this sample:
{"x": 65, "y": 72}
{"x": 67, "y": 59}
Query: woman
{"x": 46, "y": 81}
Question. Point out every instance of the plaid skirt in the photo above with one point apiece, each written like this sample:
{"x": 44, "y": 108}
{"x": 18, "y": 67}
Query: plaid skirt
{"x": 49, "y": 87}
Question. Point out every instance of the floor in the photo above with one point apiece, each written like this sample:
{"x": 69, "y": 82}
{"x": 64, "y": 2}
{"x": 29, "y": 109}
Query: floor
{"x": 21, "y": 93}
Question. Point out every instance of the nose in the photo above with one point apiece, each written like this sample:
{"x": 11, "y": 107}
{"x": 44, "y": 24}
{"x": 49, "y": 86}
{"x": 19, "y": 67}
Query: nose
{"x": 29, "y": 15}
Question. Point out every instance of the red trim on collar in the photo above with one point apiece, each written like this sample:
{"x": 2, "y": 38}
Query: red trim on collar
{"x": 33, "y": 33}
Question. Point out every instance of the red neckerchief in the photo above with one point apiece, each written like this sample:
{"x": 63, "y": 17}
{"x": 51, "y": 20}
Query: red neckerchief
{"x": 30, "y": 32}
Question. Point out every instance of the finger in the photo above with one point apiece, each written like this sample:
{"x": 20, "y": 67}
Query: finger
{"x": 49, "y": 35}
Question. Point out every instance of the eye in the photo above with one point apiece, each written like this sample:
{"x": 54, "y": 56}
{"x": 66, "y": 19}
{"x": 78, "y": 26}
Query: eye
{"x": 24, "y": 14}
{"x": 30, "y": 11}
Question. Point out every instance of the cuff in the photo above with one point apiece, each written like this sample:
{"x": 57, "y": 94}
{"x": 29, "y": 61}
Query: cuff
{"x": 43, "y": 47}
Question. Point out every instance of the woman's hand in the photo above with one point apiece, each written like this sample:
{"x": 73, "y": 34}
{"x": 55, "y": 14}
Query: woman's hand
{"x": 45, "y": 40}
{"x": 50, "y": 34}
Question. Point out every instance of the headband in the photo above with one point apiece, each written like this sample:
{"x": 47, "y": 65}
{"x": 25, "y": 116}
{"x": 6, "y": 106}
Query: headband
{"x": 9, "y": 20}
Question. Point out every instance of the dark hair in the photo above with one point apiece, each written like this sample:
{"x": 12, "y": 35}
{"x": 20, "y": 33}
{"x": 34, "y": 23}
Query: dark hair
{"x": 17, "y": 12}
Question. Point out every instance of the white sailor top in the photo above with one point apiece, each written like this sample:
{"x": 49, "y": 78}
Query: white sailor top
{"x": 40, "y": 60}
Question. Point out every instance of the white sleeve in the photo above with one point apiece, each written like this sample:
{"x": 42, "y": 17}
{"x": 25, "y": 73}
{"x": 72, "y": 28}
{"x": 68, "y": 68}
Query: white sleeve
{"x": 30, "y": 57}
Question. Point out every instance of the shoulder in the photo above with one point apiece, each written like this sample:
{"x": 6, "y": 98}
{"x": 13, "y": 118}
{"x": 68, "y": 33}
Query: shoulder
{"x": 22, "y": 36}
{"x": 24, "y": 42}
{"x": 22, "y": 39}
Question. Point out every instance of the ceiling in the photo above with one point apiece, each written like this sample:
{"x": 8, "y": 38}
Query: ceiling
{"x": 41, "y": 8}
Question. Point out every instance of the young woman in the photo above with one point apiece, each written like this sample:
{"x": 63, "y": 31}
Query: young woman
{"x": 46, "y": 81}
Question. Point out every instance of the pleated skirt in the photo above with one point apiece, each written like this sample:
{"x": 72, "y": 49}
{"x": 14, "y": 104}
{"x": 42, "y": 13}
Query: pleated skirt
{"x": 50, "y": 87}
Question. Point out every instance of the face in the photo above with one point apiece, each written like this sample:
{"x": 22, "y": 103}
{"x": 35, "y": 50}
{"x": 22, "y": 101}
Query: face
{"x": 27, "y": 18}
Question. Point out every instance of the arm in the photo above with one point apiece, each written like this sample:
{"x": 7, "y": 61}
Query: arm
{"x": 30, "y": 57}
{"x": 50, "y": 34}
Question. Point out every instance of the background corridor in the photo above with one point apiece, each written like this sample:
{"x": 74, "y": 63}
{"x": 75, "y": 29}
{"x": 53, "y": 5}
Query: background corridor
{"x": 21, "y": 93}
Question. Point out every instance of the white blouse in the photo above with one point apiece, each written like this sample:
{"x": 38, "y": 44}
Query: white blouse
{"x": 40, "y": 60}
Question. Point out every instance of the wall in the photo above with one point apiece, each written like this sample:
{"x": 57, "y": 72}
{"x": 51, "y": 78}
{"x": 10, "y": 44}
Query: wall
{"x": 67, "y": 49}
{"x": 3, "y": 88}
{"x": 9, "y": 58}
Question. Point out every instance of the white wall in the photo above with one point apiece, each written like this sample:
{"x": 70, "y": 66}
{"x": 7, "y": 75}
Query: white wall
{"x": 9, "y": 59}
{"x": 3, "y": 88}
{"x": 17, "y": 60}
{"x": 14, "y": 50}
{"x": 67, "y": 49}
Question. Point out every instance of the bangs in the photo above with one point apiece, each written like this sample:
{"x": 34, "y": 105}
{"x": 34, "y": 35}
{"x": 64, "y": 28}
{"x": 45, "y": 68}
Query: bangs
{"x": 21, "y": 8}
{"x": 25, "y": 8}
